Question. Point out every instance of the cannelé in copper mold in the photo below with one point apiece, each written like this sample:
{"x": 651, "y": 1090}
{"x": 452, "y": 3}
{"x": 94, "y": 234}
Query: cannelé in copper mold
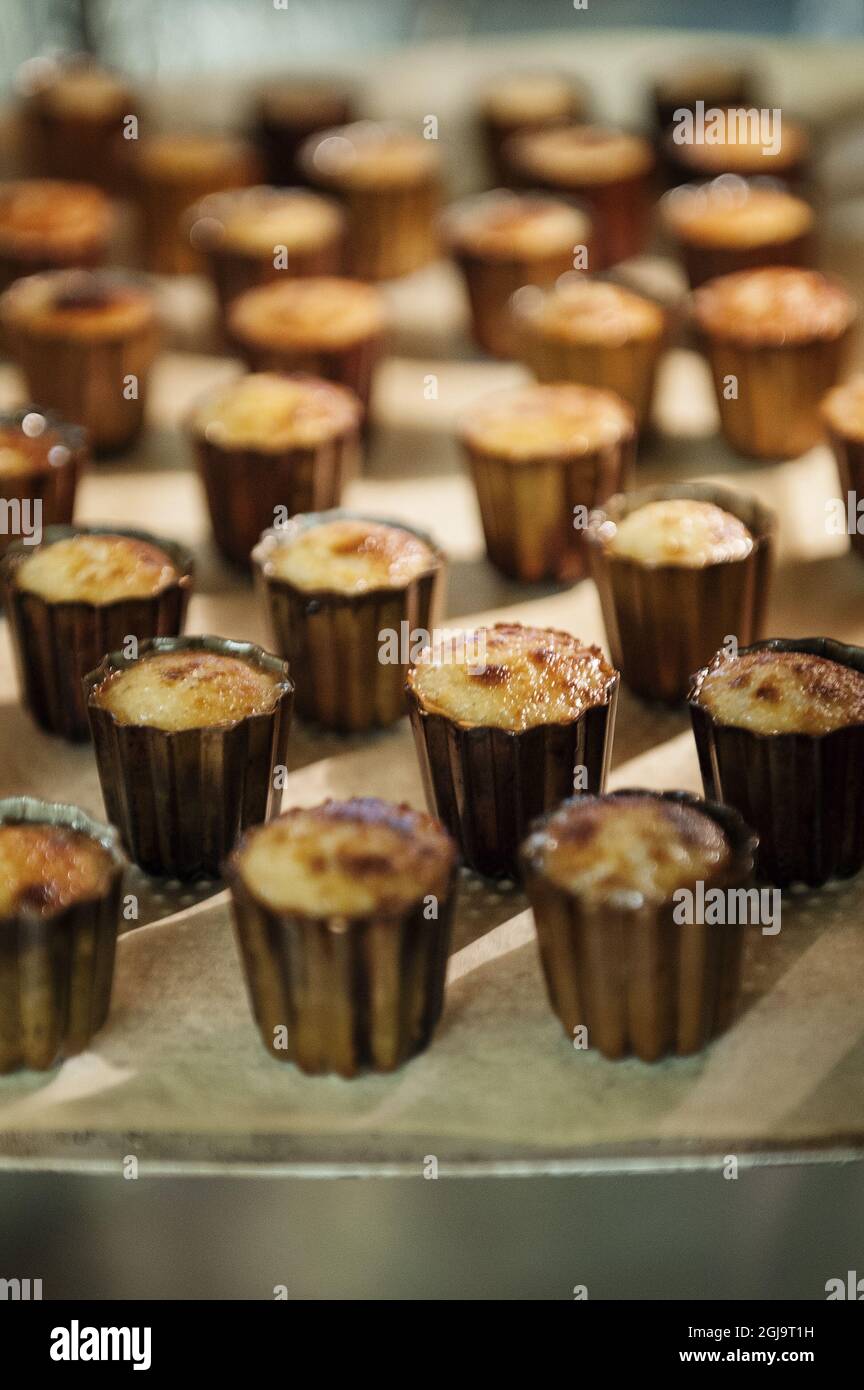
{"x": 782, "y": 153}
{"x": 270, "y": 445}
{"x": 287, "y": 112}
{"x": 779, "y": 727}
{"x": 348, "y": 598}
{"x": 51, "y": 224}
{"x": 59, "y": 909}
{"x": 525, "y": 100}
{"x": 41, "y": 460}
{"x": 731, "y": 224}
{"x": 693, "y": 571}
{"x": 67, "y": 609}
{"x": 842, "y": 414}
{"x": 541, "y": 458}
{"x": 507, "y": 725}
{"x": 188, "y": 735}
{"x": 617, "y": 963}
{"x": 343, "y": 916}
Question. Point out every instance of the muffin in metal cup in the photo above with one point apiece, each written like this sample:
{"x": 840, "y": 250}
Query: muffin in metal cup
{"x": 593, "y": 332}
{"x": 270, "y": 445}
{"x": 325, "y": 325}
{"x": 541, "y": 458}
{"x": 611, "y": 171}
{"x": 51, "y": 224}
{"x": 621, "y": 961}
{"x": 349, "y": 597}
{"x": 250, "y": 236}
{"x": 343, "y": 914}
{"x": 290, "y": 110}
{"x": 41, "y": 460}
{"x": 776, "y": 339}
{"x": 780, "y": 151}
{"x": 524, "y": 100}
{"x": 732, "y": 224}
{"x": 85, "y": 342}
{"x": 187, "y": 736}
{"x": 507, "y": 724}
{"x": 501, "y": 241}
{"x": 779, "y": 727}
{"x": 679, "y": 569}
{"x": 60, "y": 887}
{"x": 842, "y": 413}
{"x": 388, "y": 179}
{"x": 67, "y": 607}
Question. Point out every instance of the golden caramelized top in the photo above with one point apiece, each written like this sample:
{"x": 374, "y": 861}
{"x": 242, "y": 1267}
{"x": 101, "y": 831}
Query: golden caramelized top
{"x": 526, "y": 676}
{"x": 351, "y": 557}
{"x": 366, "y": 155}
{"x": 745, "y": 151}
{"x": 187, "y": 689}
{"x": 181, "y": 157}
{"x": 84, "y": 92}
{"x": 254, "y": 222}
{"x": 45, "y": 868}
{"x": 603, "y": 847}
{"x": 843, "y": 408}
{"x": 309, "y": 102}
{"x": 523, "y": 97}
{"x": 680, "y": 531}
{"x": 783, "y": 692}
{"x": 592, "y": 312}
{"x": 41, "y": 217}
{"x": 270, "y": 413}
{"x": 582, "y": 154}
{"x": 547, "y": 421}
{"x": 23, "y": 453}
{"x": 511, "y": 226}
{"x": 95, "y": 569}
{"x": 731, "y": 213}
{"x": 774, "y": 305}
{"x": 353, "y": 857}
{"x": 701, "y": 81}
{"x": 85, "y": 305}
{"x": 316, "y": 312}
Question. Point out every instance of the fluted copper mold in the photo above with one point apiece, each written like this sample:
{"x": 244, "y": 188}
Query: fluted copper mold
{"x": 331, "y": 640}
{"x": 802, "y": 793}
{"x": 496, "y": 130}
{"x": 487, "y": 785}
{"x": 53, "y": 487}
{"x": 280, "y": 134}
{"x": 56, "y": 644}
{"x": 849, "y": 456}
{"x": 181, "y": 798}
{"x": 641, "y": 984}
{"x": 56, "y": 971}
{"x": 703, "y": 262}
{"x": 527, "y": 507}
{"x": 162, "y": 202}
{"x": 246, "y": 488}
{"x": 352, "y": 365}
{"x": 663, "y": 622}
{"x": 353, "y": 993}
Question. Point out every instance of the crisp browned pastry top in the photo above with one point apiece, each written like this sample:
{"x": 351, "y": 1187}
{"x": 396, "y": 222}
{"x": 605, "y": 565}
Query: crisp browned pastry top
{"x": 51, "y": 217}
{"x": 368, "y": 156}
{"x": 319, "y": 312}
{"x": 774, "y": 305}
{"x": 557, "y": 420}
{"x": 730, "y": 213}
{"x": 270, "y": 412}
{"x": 517, "y": 98}
{"x": 187, "y": 689}
{"x": 87, "y": 306}
{"x": 95, "y": 569}
{"x": 349, "y": 556}
{"x": 22, "y": 453}
{"x": 511, "y": 226}
{"x": 44, "y": 868}
{"x": 588, "y": 312}
{"x": 783, "y": 692}
{"x": 582, "y": 154}
{"x": 748, "y": 155}
{"x": 680, "y": 531}
{"x": 354, "y": 857}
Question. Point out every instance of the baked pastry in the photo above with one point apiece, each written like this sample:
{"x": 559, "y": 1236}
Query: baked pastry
{"x": 73, "y": 121}
{"x": 187, "y": 735}
{"x": 714, "y": 82}
{"x": 522, "y": 101}
{"x": 346, "y": 595}
{"x": 250, "y": 236}
{"x": 780, "y": 335}
{"x": 502, "y": 241}
{"x": 60, "y": 883}
{"x": 47, "y": 224}
{"x": 41, "y": 459}
{"x": 594, "y": 332}
{"x": 611, "y": 170}
{"x": 325, "y": 325}
{"x": 678, "y": 569}
{"x": 602, "y": 873}
{"x": 171, "y": 172}
{"x": 541, "y": 457}
{"x": 291, "y": 109}
{"x": 269, "y": 446}
{"x": 343, "y": 915}
{"x": 389, "y": 182}
{"x": 781, "y": 151}
{"x": 780, "y": 731}
{"x": 734, "y": 224}
{"x": 842, "y": 414}
{"x": 507, "y": 724}
{"x": 82, "y": 592}
{"x": 85, "y": 342}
